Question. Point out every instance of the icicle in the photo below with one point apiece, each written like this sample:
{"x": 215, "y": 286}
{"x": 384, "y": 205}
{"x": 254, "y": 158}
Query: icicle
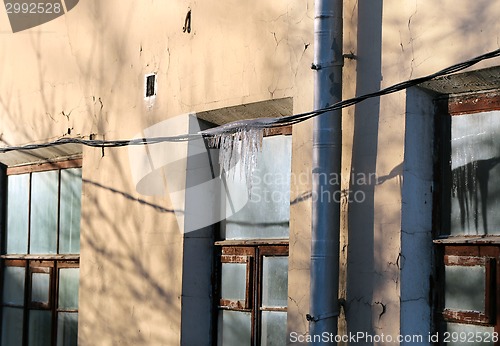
{"x": 241, "y": 145}
{"x": 239, "y": 141}
{"x": 251, "y": 145}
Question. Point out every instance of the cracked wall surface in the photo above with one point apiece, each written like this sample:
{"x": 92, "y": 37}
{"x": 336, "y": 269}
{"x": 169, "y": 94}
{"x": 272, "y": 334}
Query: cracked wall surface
{"x": 385, "y": 242}
{"x": 82, "y": 74}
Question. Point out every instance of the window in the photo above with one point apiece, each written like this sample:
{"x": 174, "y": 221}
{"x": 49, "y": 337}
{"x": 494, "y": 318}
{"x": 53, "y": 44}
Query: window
{"x": 253, "y": 287}
{"x": 467, "y": 217}
{"x": 252, "y": 255}
{"x": 40, "y": 256}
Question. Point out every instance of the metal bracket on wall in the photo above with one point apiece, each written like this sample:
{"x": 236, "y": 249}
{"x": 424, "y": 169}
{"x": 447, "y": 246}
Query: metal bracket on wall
{"x": 187, "y": 22}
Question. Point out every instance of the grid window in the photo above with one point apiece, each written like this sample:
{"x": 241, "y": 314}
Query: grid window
{"x": 40, "y": 257}
{"x": 466, "y": 217}
{"x": 252, "y": 255}
{"x": 253, "y": 295}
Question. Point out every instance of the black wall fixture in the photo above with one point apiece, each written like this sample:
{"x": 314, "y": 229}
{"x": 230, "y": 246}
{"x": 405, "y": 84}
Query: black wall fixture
{"x": 187, "y": 22}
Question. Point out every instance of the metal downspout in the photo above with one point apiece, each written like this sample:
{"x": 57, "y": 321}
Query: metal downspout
{"x": 327, "y": 143}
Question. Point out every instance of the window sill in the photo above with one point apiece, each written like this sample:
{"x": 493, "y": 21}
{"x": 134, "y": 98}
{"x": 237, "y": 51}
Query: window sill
{"x": 251, "y": 242}
{"x": 41, "y": 257}
{"x": 470, "y": 239}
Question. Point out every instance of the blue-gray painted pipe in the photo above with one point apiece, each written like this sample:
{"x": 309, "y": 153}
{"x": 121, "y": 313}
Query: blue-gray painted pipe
{"x": 327, "y": 143}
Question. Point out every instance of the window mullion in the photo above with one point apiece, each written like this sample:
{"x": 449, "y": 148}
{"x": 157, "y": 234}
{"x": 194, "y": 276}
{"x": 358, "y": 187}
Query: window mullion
{"x": 55, "y": 294}
{"x": 27, "y": 286}
{"x": 58, "y": 222}
{"x": 257, "y": 273}
{"x": 29, "y": 213}
{"x": 27, "y": 280}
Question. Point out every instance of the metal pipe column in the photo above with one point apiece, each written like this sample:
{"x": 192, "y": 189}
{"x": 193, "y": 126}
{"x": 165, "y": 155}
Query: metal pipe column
{"x": 327, "y": 143}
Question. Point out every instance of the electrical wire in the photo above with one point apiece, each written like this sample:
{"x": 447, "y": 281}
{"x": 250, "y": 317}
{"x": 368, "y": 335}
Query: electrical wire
{"x": 103, "y": 143}
{"x": 293, "y": 119}
{"x": 260, "y": 123}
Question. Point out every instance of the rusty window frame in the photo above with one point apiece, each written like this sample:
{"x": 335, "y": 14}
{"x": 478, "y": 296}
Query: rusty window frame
{"x": 474, "y": 317}
{"x": 14, "y": 263}
{"x": 270, "y": 251}
{"x": 41, "y": 267}
{"x": 29, "y": 169}
{"x": 45, "y": 166}
{"x": 466, "y": 249}
{"x": 61, "y": 265}
{"x": 37, "y": 263}
{"x": 240, "y": 305}
{"x": 50, "y": 266}
{"x": 252, "y": 251}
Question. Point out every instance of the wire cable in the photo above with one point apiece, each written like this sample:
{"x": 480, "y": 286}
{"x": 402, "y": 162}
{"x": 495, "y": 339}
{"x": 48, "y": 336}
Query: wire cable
{"x": 260, "y": 123}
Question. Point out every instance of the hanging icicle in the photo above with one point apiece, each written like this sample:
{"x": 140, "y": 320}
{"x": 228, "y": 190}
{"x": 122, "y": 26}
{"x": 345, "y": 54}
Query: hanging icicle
{"x": 238, "y": 152}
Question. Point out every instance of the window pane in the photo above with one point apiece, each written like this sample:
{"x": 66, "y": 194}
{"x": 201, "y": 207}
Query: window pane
{"x": 68, "y": 288}
{"x": 71, "y": 192}
{"x": 275, "y": 281}
{"x": 13, "y": 290}
{"x": 234, "y": 328}
{"x": 267, "y": 213}
{"x": 39, "y": 327}
{"x": 12, "y": 326}
{"x": 67, "y": 329}
{"x": 44, "y": 192}
{"x": 460, "y": 334}
{"x": 233, "y": 279}
{"x": 17, "y": 214}
{"x": 475, "y": 186}
{"x": 273, "y": 328}
{"x": 40, "y": 287}
{"x": 465, "y": 288}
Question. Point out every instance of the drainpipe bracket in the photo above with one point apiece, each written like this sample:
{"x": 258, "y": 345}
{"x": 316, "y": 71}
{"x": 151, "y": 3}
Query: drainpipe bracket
{"x": 350, "y": 56}
{"x": 316, "y": 67}
{"x": 311, "y": 318}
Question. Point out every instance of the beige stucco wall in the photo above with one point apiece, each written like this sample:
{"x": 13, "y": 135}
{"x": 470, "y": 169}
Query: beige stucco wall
{"x": 394, "y": 41}
{"x": 85, "y": 71}
{"x": 130, "y": 279}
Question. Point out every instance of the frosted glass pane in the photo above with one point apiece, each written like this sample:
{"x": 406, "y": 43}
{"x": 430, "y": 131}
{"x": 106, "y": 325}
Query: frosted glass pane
{"x": 13, "y": 290}
{"x": 234, "y": 328}
{"x": 40, "y": 287}
{"x": 475, "y": 176}
{"x": 39, "y": 327}
{"x": 275, "y": 281}
{"x": 68, "y": 288}
{"x": 44, "y": 203}
{"x": 273, "y": 328}
{"x": 465, "y": 288}
{"x": 233, "y": 281}
{"x": 267, "y": 213}
{"x": 71, "y": 192}
{"x": 12, "y": 326}
{"x": 17, "y": 214}
{"x": 461, "y": 334}
{"x": 67, "y": 329}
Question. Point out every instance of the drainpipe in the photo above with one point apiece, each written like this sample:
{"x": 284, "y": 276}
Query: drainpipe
{"x": 327, "y": 143}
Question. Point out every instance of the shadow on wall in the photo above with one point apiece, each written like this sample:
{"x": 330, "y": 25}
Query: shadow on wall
{"x": 127, "y": 266}
{"x": 360, "y": 269}
{"x": 130, "y": 197}
{"x": 131, "y": 264}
